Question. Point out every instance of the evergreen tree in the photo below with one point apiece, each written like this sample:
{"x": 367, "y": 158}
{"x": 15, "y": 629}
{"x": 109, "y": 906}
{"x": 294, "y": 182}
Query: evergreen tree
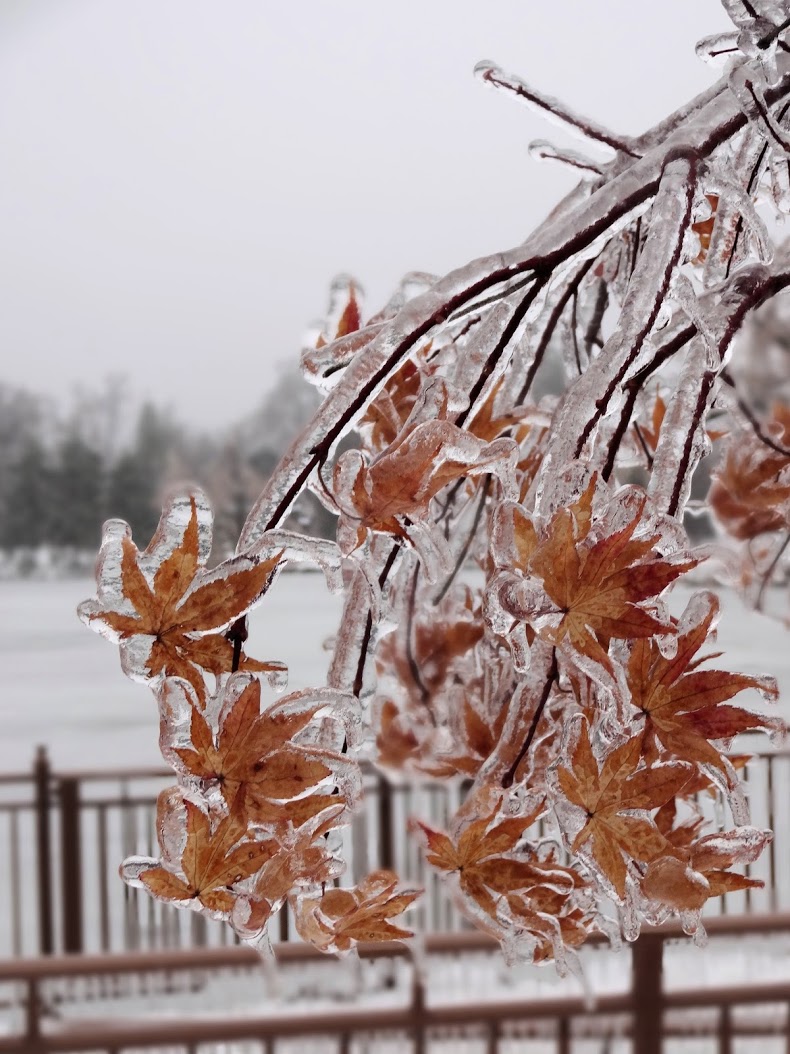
{"x": 28, "y": 506}
{"x": 77, "y": 491}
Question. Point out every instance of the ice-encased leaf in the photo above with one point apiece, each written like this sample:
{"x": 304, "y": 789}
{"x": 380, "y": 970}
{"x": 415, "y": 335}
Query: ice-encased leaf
{"x": 164, "y": 608}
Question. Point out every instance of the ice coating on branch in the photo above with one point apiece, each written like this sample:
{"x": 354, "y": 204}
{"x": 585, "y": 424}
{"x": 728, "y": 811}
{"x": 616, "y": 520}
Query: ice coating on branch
{"x": 296, "y": 548}
{"x": 543, "y": 150}
{"x": 323, "y": 365}
{"x": 683, "y": 440}
{"x": 556, "y": 111}
{"x": 627, "y": 347}
{"x": 748, "y": 87}
{"x": 577, "y": 226}
{"x": 718, "y": 49}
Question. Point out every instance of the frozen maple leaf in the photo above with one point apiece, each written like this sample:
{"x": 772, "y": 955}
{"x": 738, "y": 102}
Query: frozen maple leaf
{"x": 164, "y": 609}
{"x": 302, "y": 859}
{"x": 425, "y": 648}
{"x": 480, "y": 737}
{"x": 684, "y": 708}
{"x": 750, "y": 494}
{"x": 215, "y": 856}
{"x": 704, "y": 229}
{"x": 341, "y": 918}
{"x": 575, "y": 582}
{"x": 391, "y": 493}
{"x": 700, "y": 869}
{"x": 552, "y": 917}
{"x": 486, "y": 861}
{"x": 612, "y": 825}
{"x": 489, "y": 424}
{"x": 419, "y": 668}
{"x": 260, "y": 758}
{"x": 649, "y": 432}
{"x": 390, "y": 410}
{"x": 344, "y": 311}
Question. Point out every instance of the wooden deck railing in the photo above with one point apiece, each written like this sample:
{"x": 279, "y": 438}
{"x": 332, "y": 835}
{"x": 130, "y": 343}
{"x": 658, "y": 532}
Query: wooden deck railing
{"x": 63, "y": 834}
{"x": 644, "y": 1013}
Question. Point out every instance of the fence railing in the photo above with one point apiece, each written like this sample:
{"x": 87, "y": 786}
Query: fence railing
{"x": 63, "y": 835}
{"x": 637, "y": 1018}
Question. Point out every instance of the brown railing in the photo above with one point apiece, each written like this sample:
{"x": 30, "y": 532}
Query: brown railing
{"x": 63, "y": 834}
{"x": 643, "y": 1014}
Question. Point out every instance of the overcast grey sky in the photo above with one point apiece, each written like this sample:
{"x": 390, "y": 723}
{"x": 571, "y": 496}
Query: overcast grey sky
{"x": 181, "y": 179}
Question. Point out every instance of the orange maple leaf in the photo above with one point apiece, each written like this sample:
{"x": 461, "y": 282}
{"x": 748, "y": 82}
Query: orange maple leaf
{"x": 577, "y": 588}
{"x": 683, "y": 705}
{"x": 344, "y": 310}
{"x": 339, "y": 918}
{"x": 253, "y": 755}
{"x": 487, "y": 862}
{"x": 614, "y": 800}
{"x": 704, "y": 229}
{"x": 302, "y": 859}
{"x": 215, "y": 857}
{"x": 399, "y": 484}
{"x": 750, "y": 494}
{"x": 164, "y": 608}
{"x": 700, "y": 870}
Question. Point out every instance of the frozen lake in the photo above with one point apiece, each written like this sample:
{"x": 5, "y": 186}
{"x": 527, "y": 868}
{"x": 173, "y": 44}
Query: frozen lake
{"x": 62, "y": 684}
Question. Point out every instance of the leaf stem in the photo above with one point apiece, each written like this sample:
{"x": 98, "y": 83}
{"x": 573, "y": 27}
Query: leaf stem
{"x": 758, "y": 603}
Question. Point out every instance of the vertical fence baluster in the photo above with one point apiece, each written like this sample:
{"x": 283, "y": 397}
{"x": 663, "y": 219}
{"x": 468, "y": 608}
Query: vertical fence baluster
{"x": 774, "y": 899}
{"x": 41, "y": 776}
{"x": 646, "y": 991}
{"x": 386, "y": 852}
{"x": 564, "y": 1036}
{"x": 104, "y": 896}
{"x": 725, "y": 1031}
{"x": 15, "y": 903}
{"x": 71, "y": 863}
{"x": 492, "y": 1044}
{"x": 418, "y": 1014}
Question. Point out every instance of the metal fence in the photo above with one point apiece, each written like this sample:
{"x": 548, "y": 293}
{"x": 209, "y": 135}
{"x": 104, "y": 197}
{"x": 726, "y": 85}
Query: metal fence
{"x": 637, "y": 1019}
{"x": 63, "y": 835}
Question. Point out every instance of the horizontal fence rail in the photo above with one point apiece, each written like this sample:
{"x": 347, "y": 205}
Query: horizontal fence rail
{"x": 63, "y": 835}
{"x": 637, "y": 1019}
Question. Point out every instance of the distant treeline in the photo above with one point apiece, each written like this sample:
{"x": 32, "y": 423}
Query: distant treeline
{"x": 63, "y": 474}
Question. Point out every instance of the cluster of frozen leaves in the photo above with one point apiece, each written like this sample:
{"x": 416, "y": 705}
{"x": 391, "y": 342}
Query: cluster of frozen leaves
{"x": 506, "y": 559}
{"x": 263, "y": 787}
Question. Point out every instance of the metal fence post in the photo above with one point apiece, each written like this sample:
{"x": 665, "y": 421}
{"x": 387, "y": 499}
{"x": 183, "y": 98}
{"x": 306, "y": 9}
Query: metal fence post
{"x": 386, "y": 850}
{"x": 71, "y": 863}
{"x": 646, "y": 993}
{"x": 41, "y": 778}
